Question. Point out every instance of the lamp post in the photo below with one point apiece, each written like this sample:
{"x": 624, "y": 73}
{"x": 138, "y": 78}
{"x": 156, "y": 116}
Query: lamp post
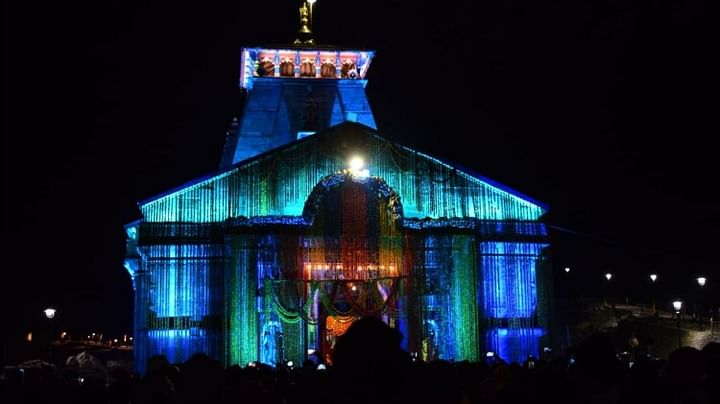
{"x": 608, "y": 276}
{"x": 49, "y": 315}
{"x": 677, "y": 306}
{"x": 701, "y": 280}
{"x": 567, "y": 284}
{"x": 653, "y": 278}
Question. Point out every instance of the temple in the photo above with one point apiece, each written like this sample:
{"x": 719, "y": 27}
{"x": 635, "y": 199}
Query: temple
{"x": 315, "y": 219}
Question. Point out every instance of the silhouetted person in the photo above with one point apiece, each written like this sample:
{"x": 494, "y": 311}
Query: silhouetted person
{"x": 682, "y": 377}
{"x": 369, "y": 365}
{"x": 711, "y": 354}
{"x": 437, "y": 382}
{"x": 200, "y": 381}
{"x": 597, "y": 370}
{"x": 120, "y": 388}
{"x": 156, "y": 387}
{"x": 642, "y": 381}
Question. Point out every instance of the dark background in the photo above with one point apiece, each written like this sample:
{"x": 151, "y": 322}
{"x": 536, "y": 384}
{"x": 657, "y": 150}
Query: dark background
{"x": 600, "y": 109}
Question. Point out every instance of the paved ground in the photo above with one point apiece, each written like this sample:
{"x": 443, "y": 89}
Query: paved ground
{"x": 657, "y": 334}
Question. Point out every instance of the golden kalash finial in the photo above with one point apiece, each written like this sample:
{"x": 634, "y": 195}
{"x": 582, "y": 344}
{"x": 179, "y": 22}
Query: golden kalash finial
{"x": 305, "y": 36}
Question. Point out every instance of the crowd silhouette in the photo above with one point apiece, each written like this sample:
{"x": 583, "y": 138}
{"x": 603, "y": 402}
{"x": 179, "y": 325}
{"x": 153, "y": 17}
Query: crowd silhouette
{"x": 369, "y": 366}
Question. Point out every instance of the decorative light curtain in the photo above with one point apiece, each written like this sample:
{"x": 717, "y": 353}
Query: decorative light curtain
{"x": 509, "y": 298}
{"x": 183, "y": 310}
{"x": 514, "y": 343}
{"x": 508, "y": 279}
{"x": 379, "y": 235}
{"x": 354, "y": 212}
{"x": 241, "y": 301}
{"x": 320, "y": 258}
{"x": 355, "y": 230}
{"x": 279, "y": 184}
{"x": 447, "y": 281}
{"x": 463, "y": 303}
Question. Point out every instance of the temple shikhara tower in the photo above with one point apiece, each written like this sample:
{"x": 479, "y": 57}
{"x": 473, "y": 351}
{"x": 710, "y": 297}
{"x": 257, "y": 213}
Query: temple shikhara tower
{"x": 314, "y": 219}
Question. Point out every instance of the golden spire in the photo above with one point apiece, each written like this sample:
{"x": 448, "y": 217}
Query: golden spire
{"x": 305, "y": 36}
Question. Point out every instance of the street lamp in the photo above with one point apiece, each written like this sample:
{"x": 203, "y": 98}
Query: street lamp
{"x": 677, "y": 305}
{"x": 567, "y": 270}
{"x": 49, "y": 314}
{"x": 701, "y": 280}
{"x": 608, "y": 276}
{"x": 653, "y": 278}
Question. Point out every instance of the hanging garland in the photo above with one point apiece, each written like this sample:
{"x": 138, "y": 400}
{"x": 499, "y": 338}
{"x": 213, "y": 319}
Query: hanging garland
{"x": 369, "y": 303}
{"x": 328, "y": 303}
{"x": 300, "y": 311}
{"x": 369, "y": 293}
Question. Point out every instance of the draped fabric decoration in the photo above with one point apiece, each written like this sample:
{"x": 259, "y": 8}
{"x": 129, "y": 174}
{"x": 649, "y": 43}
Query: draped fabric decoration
{"x": 348, "y": 265}
{"x": 293, "y": 301}
{"x": 337, "y": 327}
{"x": 273, "y": 258}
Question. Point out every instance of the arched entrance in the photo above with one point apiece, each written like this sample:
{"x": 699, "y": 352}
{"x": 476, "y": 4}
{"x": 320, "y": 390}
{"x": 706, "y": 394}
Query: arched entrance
{"x": 348, "y": 264}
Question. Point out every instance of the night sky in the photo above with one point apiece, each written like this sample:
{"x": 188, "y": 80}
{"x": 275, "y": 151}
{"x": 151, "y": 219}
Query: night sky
{"x": 600, "y": 109}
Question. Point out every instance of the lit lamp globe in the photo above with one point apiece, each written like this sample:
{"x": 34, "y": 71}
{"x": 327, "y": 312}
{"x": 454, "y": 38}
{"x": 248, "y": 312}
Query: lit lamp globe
{"x": 608, "y": 276}
{"x": 701, "y": 281}
{"x": 567, "y": 269}
{"x": 356, "y": 163}
{"x": 677, "y": 306}
{"x": 357, "y": 167}
{"x": 653, "y": 277}
{"x": 50, "y": 312}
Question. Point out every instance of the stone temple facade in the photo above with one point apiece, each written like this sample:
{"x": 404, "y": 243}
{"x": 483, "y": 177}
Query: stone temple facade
{"x": 315, "y": 219}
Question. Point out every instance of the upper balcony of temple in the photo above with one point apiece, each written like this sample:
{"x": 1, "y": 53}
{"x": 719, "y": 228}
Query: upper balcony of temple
{"x": 303, "y": 62}
{"x": 303, "y": 59}
{"x": 295, "y": 90}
